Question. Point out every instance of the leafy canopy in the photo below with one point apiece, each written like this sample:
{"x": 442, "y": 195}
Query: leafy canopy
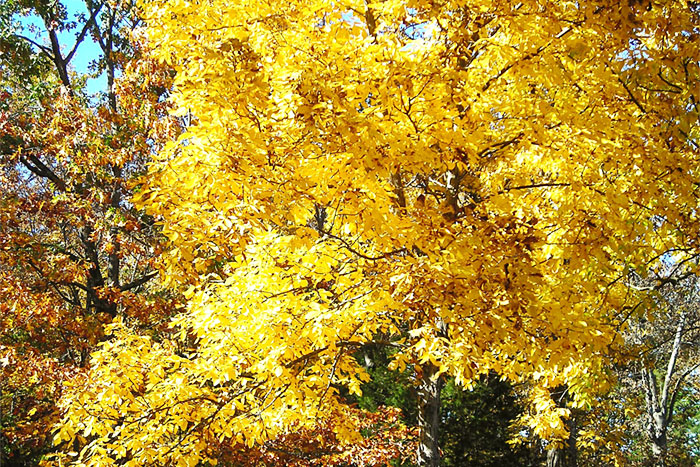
{"x": 467, "y": 181}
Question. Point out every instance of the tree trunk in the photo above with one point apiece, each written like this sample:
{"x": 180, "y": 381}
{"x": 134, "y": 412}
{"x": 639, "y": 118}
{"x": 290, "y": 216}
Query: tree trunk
{"x": 660, "y": 401}
{"x": 573, "y": 437}
{"x": 555, "y": 457}
{"x": 429, "y": 387}
{"x": 657, "y": 436}
{"x": 567, "y": 454}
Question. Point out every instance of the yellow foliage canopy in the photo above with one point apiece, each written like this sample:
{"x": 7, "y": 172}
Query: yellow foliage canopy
{"x": 467, "y": 181}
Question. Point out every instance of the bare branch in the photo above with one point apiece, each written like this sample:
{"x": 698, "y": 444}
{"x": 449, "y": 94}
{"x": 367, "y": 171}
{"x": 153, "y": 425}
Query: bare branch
{"x": 138, "y": 282}
{"x": 39, "y": 168}
{"x": 82, "y": 34}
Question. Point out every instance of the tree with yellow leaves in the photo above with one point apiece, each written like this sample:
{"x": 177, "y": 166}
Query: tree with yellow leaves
{"x": 74, "y": 252}
{"x": 468, "y": 182}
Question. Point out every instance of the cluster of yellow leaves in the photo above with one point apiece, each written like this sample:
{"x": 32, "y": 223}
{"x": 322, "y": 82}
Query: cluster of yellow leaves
{"x": 467, "y": 181}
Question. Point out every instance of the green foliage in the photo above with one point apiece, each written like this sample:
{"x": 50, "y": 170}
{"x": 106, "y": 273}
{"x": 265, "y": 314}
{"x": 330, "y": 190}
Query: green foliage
{"x": 684, "y": 435}
{"x": 476, "y": 425}
{"x": 387, "y": 387}
{"x": 20, "y": 63}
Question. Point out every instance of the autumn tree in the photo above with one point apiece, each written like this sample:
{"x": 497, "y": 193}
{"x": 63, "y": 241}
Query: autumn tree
{"x": 74, "y": 252}
{"x": 637, "y": 422}
{"x": 663, "y": 336}
{"x": 466, "y": 182}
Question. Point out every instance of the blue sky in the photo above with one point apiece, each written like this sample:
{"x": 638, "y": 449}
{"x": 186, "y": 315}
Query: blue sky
{"x": 87, "y": 51}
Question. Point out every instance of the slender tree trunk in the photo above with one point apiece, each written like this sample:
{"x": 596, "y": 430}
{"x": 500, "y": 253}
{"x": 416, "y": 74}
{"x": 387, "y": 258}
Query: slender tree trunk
{"x": 656, "y": 429}
{"x": 572, "y": 452}
{"x": 660, "y": 400}
{"x": 113, "y": 267}
{"x": 658, "y": 448}
{"x": 555, "y": 457}
{"x": 429, "y": 388}
{"x": 567, "y": 454}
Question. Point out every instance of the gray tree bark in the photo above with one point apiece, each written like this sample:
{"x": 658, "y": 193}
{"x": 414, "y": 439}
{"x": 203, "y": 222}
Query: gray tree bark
{"x": 567, "y": 455}
{"x": 429, "y": 388}
{"x": 660, "y": 402}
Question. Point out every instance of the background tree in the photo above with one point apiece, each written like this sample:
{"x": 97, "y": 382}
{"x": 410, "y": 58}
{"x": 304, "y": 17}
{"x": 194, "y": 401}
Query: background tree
{"x": 654, "y": 365}
{"x": 665, "y": 334}
{"x": 74, "y": 252}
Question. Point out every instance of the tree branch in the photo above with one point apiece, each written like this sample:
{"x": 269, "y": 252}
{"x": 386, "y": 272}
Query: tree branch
{"x": 82, "y": 34}
{"x": 670, "y": 368}
{"x": 42, "y": 170}
{"x": 634, "y": 99}
{"x": 674, "y": 394}
{"x": 534, "y": 185}
{"x": 138, "y": 282}
{"x": 43, "y": 48}
{"x": 348, "y": 246}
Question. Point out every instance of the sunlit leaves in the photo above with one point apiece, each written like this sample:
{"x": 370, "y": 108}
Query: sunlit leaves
{"x": 466, "y": 182}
